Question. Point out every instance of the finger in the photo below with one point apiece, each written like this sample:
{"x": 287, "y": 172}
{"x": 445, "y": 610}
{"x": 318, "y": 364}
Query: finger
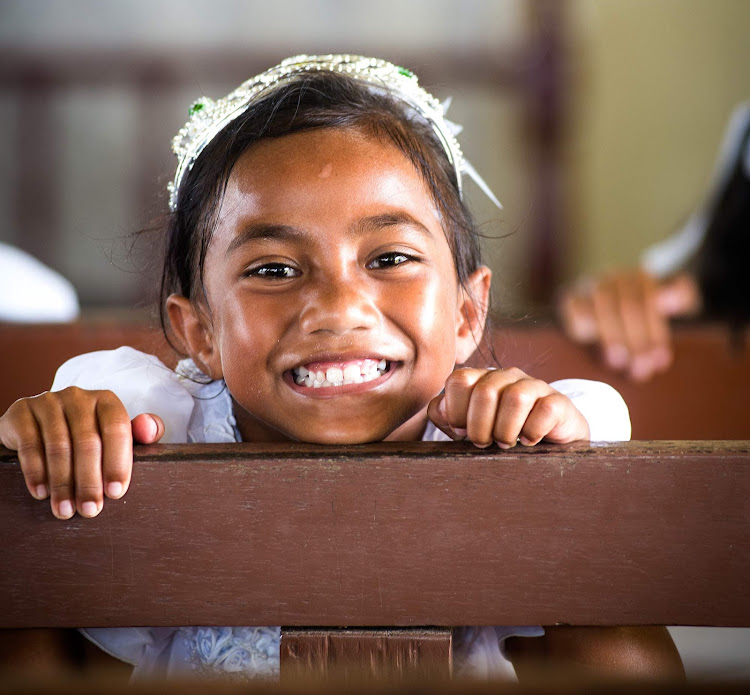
{"x": 484, "y": 402}
{"x": 117, "y": 445}
{"x": 632, "y": 296}
{"x": 680, "y": 296}
{"x": 609, "y": 323}
{"x": 458, "y": 388}
{"x": 516, "y": 403}
{"x": 644, "y": 328}
{"x": 86, "y": 454}
{"x": 55, "y": 434}
{"x": 436, "y": 413}
{"x": 147, "y": 428}
{"x": 554, "y": 418}
{"x": 656, "y": 353}
{"x": 577, "y": 315}
{"x": 19, "y": 431}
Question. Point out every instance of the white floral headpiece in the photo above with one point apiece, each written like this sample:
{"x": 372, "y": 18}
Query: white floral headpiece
{"x": 209, "y": 117}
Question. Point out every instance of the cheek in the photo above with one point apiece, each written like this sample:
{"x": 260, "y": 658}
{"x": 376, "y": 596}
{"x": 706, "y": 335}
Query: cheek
{"x": 434, "y": 317}
{"x": 234, "y": 334}
{"x": 241, "y": 325}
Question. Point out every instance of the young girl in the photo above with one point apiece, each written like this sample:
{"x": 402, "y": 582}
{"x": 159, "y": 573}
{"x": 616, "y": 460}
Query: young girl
{"x": 322, "y": 274}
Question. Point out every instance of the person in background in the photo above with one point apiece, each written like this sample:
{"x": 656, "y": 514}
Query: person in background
{"x": 700, "y": 270}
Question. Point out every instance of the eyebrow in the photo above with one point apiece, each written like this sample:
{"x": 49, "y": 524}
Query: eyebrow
{"x": 263, "y": 230}
{"x": 284, "y": 232}
{"x": 392, "y": 219}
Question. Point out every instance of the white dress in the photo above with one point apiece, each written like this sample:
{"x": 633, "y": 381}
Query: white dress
{"x": 195, "y": 409}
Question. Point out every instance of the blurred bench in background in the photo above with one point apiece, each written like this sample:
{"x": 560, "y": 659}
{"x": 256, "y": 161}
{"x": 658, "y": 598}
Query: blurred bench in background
{"x": 705, "y": 395}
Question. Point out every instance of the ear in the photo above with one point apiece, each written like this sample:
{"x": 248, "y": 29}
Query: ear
{"x": 471, "y": 313}
{"x": 193, "y": 330}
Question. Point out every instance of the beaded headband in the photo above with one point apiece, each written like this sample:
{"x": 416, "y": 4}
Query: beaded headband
{"x": 208, "y": 117}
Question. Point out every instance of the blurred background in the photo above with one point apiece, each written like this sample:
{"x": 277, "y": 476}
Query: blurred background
{"x": 596, "y": 122}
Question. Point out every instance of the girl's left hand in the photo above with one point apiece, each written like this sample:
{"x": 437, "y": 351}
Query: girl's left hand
{"x": 505, "y": 406}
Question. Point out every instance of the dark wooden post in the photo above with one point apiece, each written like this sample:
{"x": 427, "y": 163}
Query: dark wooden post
{"x": 354, "y": 654}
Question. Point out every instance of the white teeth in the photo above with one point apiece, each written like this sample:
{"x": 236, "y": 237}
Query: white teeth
{"x": 335, "y": 374}
{"x": 367, "y": 370}
{"x": 351, "y": 372}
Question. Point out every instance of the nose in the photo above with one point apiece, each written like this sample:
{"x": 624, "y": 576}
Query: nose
{"x": 338, "y": 305}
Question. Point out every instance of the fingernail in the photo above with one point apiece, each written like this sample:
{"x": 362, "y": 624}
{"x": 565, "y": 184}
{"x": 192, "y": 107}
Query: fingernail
{"x": 640, "y": 369}
{"x": 41, "y": 492}
{"x": 65, "y": 509}
{"x": 502, "y": 445}
{"x": 617, "y": 356}
{"x": 459, "y": 431}
{"x": 114, "y": 489}
{"x": 524, "y": 441}
{"x": 89, "y": 509}
{"x": 441, "y": 407}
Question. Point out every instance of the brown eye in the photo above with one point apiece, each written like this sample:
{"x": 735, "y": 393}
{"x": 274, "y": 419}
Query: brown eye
{"x": 274, "y": 271}
{"x": 389, "y": 260}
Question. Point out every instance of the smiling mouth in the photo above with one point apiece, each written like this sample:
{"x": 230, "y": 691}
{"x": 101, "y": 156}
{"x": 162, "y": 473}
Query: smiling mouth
{"x": 318, "y": 375}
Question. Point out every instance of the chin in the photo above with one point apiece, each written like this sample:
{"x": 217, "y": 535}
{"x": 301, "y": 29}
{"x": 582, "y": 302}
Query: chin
{"x": 343, "y": 436}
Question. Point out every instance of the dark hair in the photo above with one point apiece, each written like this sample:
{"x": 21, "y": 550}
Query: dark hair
{"x": 317, "y": 100}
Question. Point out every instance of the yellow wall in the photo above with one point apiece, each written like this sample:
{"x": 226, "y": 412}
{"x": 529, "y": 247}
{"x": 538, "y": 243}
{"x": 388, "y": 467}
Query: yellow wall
{"x": 656, "y": 81}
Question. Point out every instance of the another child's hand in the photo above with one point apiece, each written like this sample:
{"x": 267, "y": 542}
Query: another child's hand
{"x": 627, "y": 314}
{"x": 505, "y": 406}
{"x": 75, "y": 446}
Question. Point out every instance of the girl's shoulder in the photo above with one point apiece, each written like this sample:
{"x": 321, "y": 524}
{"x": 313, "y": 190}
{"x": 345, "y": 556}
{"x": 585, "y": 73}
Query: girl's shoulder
{"x": 142, "y": 382}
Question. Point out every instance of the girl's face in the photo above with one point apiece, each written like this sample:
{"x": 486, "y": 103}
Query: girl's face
{"x": 329, "y": 260}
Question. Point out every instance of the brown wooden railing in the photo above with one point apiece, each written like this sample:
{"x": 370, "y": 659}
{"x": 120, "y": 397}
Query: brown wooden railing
{"x": 397, "y": 536}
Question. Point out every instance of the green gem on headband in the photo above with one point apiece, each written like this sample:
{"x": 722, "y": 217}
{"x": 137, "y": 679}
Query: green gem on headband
{"x": 208, "y": 117}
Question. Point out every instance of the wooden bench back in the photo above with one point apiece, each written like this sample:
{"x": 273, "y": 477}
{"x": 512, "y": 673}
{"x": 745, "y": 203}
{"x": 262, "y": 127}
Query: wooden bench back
{"x": 390, "y": 539}
{"x": 392, "y": 535}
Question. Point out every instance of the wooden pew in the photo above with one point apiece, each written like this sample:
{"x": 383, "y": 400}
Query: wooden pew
{"x": 703, "y": 396}
{"x": 399, "y": 540}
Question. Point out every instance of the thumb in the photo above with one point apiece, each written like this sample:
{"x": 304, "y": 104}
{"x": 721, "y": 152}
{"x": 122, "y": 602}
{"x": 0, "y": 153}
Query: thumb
{"x": 147, "y": 428}
{"x": 436, "y": 412}
{"x": 679, "y": 296}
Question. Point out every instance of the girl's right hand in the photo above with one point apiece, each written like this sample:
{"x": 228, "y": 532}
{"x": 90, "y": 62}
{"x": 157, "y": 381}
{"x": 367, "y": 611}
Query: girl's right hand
{"x": 76, "y": 446}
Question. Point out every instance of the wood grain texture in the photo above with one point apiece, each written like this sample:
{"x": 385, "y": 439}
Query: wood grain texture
{"x": 357, "y": 654}
{"x": 392, "y": 535}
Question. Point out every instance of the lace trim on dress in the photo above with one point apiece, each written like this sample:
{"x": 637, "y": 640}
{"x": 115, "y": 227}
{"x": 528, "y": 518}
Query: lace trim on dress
{"x": 239, "y": 653}
{"x": 213, "y": 417}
